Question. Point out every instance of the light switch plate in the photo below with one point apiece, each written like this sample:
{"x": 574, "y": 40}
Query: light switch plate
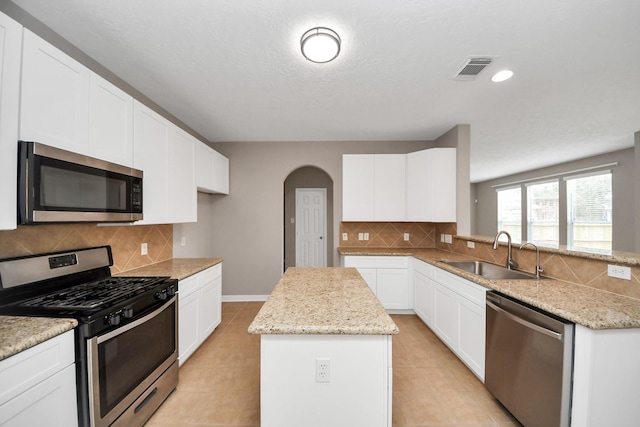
{"x": 345, "y": 236}
{"x": 406, "y": 237}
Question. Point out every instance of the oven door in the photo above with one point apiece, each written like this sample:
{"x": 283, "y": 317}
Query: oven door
{"x": 124, "y": 363}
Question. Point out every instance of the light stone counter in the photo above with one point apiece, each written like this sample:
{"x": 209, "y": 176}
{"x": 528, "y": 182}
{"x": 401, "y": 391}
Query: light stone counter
{"x": 21, "y": 333}
{"x": 583, "y": 305}
{"x": 322, "y": 301}
{"x": 176, "y": 268}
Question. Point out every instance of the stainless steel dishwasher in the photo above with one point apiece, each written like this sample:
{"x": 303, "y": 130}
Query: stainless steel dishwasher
{"x": 529, "y": 361}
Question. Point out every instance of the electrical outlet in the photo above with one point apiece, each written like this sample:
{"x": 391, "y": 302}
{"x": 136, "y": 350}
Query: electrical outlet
{"x": 619, "y": 271}
{"x": 323, "y": 370}
{"x": 143, "y": 249}
{"x": 406, "y": 237}
{"x": 471, "y": 245}
{"x": 345, "y": 236}
{"x": 366, "y": 236}
{"x": 183, "y": 241}
{"x": 447, "y": 238}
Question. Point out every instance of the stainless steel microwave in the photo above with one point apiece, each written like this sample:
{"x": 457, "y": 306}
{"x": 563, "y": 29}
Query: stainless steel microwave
{"x": 55, "y": 185}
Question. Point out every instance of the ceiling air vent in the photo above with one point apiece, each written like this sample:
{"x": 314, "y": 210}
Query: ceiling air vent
{"x": 472, "y": 66}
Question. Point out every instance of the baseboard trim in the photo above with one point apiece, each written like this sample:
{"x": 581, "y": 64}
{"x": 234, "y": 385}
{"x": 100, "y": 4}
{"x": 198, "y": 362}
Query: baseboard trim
{"x": 400, "y": 311}
{"x": 244, "y": 298}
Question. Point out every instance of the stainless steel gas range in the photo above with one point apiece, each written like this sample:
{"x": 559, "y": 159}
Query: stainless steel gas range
{"x": 126, "y": 339}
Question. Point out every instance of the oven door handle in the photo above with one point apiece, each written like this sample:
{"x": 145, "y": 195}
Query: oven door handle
{"x": 129, "y": 326}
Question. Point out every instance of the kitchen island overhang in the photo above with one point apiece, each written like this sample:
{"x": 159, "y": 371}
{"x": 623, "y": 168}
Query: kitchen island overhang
{"x": 317, "y": 319}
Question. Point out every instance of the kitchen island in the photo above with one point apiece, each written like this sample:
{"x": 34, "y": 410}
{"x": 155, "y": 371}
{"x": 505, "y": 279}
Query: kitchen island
{"x": 325, "y": 355}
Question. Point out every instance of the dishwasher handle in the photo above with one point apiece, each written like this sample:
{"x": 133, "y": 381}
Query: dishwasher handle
{"x": 526, "y": 323}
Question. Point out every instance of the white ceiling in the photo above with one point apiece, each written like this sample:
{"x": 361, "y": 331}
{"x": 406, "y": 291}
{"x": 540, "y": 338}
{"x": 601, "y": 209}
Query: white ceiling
{"x": 232, "y": 70}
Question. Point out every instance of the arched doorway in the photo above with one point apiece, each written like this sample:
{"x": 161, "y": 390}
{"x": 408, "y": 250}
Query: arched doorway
{"x": 306, "y": 177}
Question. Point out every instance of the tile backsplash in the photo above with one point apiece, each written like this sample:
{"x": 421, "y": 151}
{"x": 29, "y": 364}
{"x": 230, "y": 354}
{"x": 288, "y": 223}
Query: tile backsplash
{"x": 125, "y": 242}
{"x": 391, "y": 234}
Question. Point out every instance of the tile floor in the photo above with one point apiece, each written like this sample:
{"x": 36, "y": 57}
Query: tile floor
{"x": 220, "y": 383}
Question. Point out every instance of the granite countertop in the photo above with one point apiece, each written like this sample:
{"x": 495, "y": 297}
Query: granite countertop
{"x": 329, "y": 300}
{"x": 583, "y": 305}
{"x": 176, "y": 268}
{"x": 19, "y": 333}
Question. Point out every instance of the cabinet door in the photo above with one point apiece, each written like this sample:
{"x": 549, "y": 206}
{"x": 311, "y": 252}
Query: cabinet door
{"x": 369, "y": 276}
{"x": 211, "y": 299}
{"x": 151, "y": 155}
{"x": 220, "y": 173}
{"x": 188, "y": 320}
{"x": 357, "y": 187}
{"x": 392, "y": 288}
{"x": 110, "y": 122}
{"x": 54, "y": 107}
{"x": 445, "y": 314}
{"x": 470, "y": 335}
{"x": 49, "y": 403}
{"x": 389, "y": 187}
{"x": 204, "y": 167}
{"x": 10, "y": 45}
{"x": 431, "y": 185}
{"x": 182, "y": 177}
{"x": 423, "y": 301}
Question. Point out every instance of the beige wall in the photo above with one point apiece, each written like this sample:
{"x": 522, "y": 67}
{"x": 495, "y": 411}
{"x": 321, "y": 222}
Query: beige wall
{"x": 247, "y": 224}
{"x": 624, "y": 189}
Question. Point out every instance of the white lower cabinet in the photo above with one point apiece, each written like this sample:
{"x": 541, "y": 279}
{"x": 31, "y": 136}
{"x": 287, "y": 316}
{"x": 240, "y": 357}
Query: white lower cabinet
{"x": 39, "y": 385}
{"x": 388, "y": 278}
{"x": 454, "y": 309}
{"x": 199, "y": 309}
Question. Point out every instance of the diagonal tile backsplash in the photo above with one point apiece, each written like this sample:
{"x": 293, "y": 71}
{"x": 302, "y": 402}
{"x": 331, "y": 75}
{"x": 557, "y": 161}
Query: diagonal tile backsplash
{"x": 125, "y": 242}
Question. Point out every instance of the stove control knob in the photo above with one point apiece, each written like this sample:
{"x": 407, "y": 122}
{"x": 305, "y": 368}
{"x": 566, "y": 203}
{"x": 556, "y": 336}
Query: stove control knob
{"x": 171, "y": 290}
{"x": 162, "y": 295}
{"x": 113, "y": 319}
{"x": 127, "y": 313}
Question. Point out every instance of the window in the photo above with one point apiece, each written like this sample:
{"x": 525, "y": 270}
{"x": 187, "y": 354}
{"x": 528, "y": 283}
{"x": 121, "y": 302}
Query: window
{"x": 589, "y": 202}
{"x": 543, "y": 213}
{"x": 510, "y": 212}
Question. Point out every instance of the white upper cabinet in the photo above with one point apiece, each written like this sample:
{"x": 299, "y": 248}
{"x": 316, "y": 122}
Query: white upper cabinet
{"x": 110, "y": 122}
{"x": 212, "y": 170}
{"x": 10, "y": 45}
{"x": 373, "y": 187}
{"x": 431, "y": 185}
{"x": 151, "y": 155}
{"x": 357, "y": 187}
{"x": 54, "y": 107}
{"x": 182, "y": 177}
{"x": 389, "y": 187}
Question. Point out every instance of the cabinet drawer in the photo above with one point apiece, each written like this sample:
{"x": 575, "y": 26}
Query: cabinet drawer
{"x": 424, "y": 268}
{"x": 188, "y": 286}
{"x": 30, "y": 367}
{"x": 376, "y": 261}
{"x": 210, "y": 274}
{"x": 469, "y": 290}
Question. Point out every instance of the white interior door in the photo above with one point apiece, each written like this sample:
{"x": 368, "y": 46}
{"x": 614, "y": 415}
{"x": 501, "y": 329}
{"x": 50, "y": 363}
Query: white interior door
{"x": 311, "y": 227}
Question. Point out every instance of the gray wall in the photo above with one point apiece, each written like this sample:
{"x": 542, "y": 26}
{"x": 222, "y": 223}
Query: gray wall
{"x": 624, "y": 196}
{"x": 198, "y": 236}
{"x": 247, "y": 224}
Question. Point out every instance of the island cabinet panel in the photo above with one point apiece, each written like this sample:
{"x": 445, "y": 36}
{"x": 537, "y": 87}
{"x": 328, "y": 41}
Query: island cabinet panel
{"x": 39, "y": 385}
{"x": 11, "y": 42}
{"x": 358, "y": 393}
{"x": 199, "y": 309}
{"x": 606, "y": 374}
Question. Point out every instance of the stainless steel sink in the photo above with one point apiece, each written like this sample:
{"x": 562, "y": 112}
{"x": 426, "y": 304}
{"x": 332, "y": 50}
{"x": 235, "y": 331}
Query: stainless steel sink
{"x": 490, "y": 271}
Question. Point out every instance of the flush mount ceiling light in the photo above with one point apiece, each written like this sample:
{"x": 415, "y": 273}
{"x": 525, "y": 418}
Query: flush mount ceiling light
{"x": 320, "y": 45}
{"x": 501, "y": 76}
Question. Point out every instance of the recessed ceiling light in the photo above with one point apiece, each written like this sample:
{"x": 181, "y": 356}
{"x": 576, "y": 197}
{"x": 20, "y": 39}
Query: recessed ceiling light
{"x": 320, "y": 44}
{"x": 501, "y": 76}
